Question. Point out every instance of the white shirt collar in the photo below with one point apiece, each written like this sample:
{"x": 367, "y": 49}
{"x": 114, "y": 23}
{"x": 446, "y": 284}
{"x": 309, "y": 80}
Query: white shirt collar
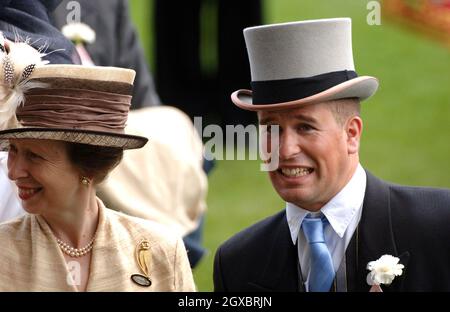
{"x": 339, "y": 211}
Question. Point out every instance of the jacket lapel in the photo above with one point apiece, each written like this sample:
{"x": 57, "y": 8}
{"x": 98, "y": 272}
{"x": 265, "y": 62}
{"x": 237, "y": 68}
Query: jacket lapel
{"x": 373, "y": 238}
{"x": 280, "y": 273}
{"x": 352, "y": 263}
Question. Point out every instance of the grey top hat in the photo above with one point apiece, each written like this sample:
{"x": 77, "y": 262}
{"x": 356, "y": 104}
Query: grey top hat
{"x": 299, "y": 63}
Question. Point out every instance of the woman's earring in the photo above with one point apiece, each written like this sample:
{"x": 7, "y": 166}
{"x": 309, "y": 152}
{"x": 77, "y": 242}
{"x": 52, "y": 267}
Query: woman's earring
{"x": 85, "y": 181}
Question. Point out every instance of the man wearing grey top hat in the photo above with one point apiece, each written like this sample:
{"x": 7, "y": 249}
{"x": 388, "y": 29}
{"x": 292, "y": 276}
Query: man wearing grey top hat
{"x": 343, "y": 229}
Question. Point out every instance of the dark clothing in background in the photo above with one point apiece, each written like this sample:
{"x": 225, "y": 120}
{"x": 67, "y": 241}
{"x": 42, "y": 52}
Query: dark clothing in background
{"x": 116, "y": 44}
{"x": 179, "y": 76}
{"x": 28, "y": 20}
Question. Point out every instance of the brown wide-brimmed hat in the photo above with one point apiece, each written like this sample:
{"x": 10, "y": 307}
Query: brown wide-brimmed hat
{"x": 72, "y": 103}
{"x": 299, "y": 63}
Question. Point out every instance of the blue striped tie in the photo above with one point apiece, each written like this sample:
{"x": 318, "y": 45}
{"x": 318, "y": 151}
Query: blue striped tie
{"x": 321, "y": 272}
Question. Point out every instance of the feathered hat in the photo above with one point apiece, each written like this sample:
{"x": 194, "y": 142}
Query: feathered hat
{"x": 59, "y": 101}
{"x": 73, "y": 103}
{"x": 299, "y": 63}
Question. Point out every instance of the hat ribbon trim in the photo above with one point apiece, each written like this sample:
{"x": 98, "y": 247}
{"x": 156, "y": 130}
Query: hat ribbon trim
{"x": 286, "y": 90}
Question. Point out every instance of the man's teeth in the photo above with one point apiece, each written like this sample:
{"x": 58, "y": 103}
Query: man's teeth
{"x": 295, "y": 172}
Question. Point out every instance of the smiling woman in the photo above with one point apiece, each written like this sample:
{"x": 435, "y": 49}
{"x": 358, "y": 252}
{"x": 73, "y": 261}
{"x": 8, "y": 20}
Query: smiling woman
{"x": 44, "y": 176}
{"x": 63, "y": 126}
{"x": 37, "y": 164}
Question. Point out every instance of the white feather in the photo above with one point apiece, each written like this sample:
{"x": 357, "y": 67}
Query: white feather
{"x": 15, "y": 98}
{"x": 20, "y": 55}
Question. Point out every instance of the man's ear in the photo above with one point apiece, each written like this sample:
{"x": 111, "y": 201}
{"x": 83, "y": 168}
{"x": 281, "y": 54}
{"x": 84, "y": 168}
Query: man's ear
{"x": 353, "y": 130}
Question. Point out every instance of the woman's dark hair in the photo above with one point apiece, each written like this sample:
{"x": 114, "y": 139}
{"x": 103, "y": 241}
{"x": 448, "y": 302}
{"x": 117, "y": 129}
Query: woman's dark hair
{"x": 94, "y": 162}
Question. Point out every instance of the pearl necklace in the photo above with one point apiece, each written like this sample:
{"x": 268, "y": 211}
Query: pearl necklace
{"x": 75, "y": 252}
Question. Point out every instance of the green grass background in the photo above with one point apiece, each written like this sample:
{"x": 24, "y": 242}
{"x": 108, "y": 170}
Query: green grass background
{"x": 406, "y": 124}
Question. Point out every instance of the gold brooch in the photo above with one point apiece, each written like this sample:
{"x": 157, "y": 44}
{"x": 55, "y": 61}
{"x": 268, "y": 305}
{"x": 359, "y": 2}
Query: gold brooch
{"x": 143, "y": 259}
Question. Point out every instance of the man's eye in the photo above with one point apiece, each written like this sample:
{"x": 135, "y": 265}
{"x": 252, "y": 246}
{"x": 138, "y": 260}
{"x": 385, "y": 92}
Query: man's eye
{"x": 305, "y": 127}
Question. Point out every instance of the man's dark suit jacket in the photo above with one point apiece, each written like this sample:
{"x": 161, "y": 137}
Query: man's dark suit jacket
{"x": 411, "y": 223}
{"x": 116, "y": 44}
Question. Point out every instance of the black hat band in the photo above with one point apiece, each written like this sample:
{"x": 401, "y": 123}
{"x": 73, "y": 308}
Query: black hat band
{"x": 286, "y": 90}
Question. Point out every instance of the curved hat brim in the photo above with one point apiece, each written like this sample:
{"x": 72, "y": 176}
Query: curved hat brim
{"x": 361, "y": 87}
{"x": 97, "y": 138}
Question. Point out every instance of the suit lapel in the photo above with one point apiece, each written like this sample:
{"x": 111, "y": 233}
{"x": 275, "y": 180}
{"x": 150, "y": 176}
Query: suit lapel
{"x": 373, "y": 238}
{"x": 280, "y": 273}
{"x": 352, "y": 263}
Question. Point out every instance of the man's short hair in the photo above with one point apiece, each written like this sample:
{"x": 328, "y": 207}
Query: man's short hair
{"x": 343, "y": 109}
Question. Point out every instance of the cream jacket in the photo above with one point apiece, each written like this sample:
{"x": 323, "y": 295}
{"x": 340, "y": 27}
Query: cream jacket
{"x": 31, "y": 260}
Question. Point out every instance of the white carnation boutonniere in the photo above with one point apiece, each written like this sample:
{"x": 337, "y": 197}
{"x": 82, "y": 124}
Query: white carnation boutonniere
{"x": 78, "y": 33}
{"x": 383, "y": 271}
